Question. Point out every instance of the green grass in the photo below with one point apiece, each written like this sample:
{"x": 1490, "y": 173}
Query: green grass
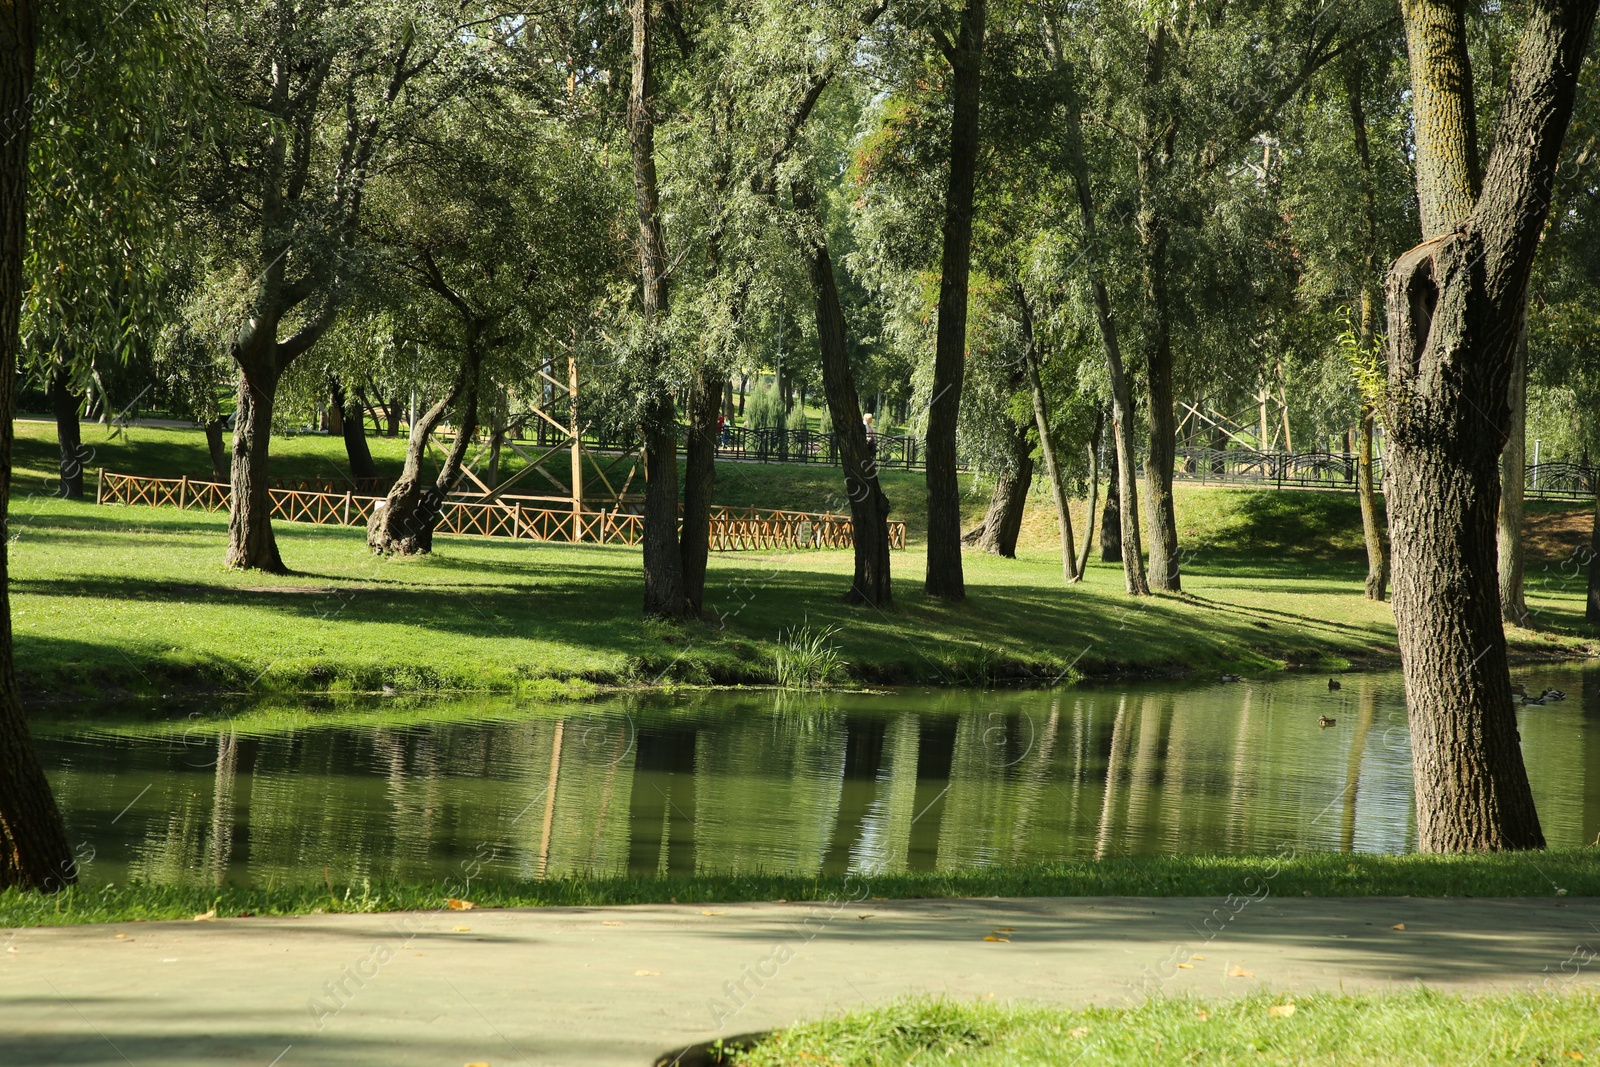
{"x": 1413, "y": 1028}
{"x": 1322, "y": 874}
{"x": 137, "y": 599}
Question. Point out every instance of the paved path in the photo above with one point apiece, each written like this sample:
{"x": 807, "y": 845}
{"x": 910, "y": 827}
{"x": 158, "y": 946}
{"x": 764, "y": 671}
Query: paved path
{"x": 590, "y": 986}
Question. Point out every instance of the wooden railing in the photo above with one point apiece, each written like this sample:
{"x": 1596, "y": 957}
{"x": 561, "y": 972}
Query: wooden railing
{"x": 732, "y": 529}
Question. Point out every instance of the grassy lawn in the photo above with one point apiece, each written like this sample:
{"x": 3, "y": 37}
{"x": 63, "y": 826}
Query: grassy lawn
{"x": 137, "y": 599}
{"x": 1404, "y": 1029}
{"x": 1318, "y": 874}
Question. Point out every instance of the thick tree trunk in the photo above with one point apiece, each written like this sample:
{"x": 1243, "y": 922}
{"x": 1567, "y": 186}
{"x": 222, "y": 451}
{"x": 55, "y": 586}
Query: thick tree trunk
{"x": 699, "y": 483}
{"x": 34, "y": 853}
{"x": 1111, "y": 515}
{"x": 663, "y": 563}
{"x": 403, "y": 526}
{"x": 1003, "y": 522}
{"x": 65, "y": 402}
{"x": 1591, "y": 611}
{"x": 391, "y": 416}
{"x": 251, "y": 544}
{"x": 1153, "y": 237}
{"x": 869, "y": 508}
{"x": 944, "y": 575}
{"x": 1513, "y": 471}
{"x": 218, "y": 449}
{"x": 352, "y": 426}
{"x": 1041, "y": 422}
{"x": 1454, "y": 316}
{"x": 1094, "y": 493}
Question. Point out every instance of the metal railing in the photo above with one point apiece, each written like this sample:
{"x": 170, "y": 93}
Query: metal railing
{"x": 1337, "y": 470}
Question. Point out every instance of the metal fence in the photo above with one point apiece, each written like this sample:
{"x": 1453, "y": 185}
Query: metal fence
{"x": 1337, "y": 470}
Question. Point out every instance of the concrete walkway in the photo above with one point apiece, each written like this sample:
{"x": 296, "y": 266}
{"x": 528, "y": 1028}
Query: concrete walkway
{"x": 590, "y": 986}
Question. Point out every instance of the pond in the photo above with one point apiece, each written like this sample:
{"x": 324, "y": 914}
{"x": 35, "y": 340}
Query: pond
{"x": 762, "y": 782}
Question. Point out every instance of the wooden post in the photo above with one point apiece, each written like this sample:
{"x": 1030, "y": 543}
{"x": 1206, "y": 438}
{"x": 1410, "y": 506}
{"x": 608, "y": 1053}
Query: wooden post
{"x": 577, "y": 448}
{"x": 100, "y": 487}
{"x": 183, "y": 491}
{"x": 605, "y": 521}
{"x": 347, "y": 503}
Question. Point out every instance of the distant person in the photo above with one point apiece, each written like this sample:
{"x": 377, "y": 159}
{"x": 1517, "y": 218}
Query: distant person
{"x": 872, "y": 436}
{"x": 722, "y": 428}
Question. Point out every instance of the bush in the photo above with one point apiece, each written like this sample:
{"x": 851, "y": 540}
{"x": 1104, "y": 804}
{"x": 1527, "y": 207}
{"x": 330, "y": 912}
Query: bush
{"x": 764, "y": 411}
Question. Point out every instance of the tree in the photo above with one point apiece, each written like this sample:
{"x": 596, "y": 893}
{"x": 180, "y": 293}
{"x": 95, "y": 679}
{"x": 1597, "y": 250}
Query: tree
{"x": 963, "y": 50}
{"x": 34, "y": 853}
{"x": 1455, "y": 306}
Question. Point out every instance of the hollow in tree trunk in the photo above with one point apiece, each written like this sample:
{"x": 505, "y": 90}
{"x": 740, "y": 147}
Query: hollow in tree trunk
{"x": 1455, "y": 302}
{"x": 66, "y": 403}
{"x": 944, "y": 574}
{"x": 869, "y": 508}
{"x": 34, "y": 853}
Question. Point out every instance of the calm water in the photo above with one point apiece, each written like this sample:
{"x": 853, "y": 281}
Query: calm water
{"x": 720, "y": 783}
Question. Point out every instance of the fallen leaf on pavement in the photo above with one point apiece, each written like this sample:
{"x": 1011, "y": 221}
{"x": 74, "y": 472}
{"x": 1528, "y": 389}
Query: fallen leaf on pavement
{"x": 462, "y": 929}
{"x": 1398, "y": 926}
{"x": 1201, "y": 958}
{"x": 1281, "y": 1011}
{"x": 713, "y": 913}
{"x": 647, "y": 974}
{"x": 1237, "y": 971}
{"x": 1187, "y": 966}
{"x": 479, "y": 1064}
{"x": 611, "y": 922}
{"x": 460, "y": 905}
{"x": 991, "y": 937}
{"x": 206, "y": 916}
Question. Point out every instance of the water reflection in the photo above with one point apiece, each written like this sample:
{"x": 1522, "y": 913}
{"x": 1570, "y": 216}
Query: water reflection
{"x": 731, "y": 783}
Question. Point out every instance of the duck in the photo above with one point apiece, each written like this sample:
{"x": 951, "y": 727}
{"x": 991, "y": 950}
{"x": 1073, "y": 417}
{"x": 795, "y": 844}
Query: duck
{"x": 1226, "y": 677}
{"x": 1333, "y": 685}
{"x": 1325, "y": 722}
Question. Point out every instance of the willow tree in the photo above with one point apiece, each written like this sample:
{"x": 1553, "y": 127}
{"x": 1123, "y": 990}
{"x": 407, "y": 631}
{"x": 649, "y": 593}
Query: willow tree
{"x": 1454, "y": 318}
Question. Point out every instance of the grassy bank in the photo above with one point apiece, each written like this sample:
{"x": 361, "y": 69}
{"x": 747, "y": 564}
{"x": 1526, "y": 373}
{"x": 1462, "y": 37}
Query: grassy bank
{"x": 137, "y": 599}
{"x": 1405, "y": 1029}
{"x": 1570, "y": 872}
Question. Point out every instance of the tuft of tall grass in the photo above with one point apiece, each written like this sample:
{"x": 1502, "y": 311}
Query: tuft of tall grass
{"x": 807, "y": 659}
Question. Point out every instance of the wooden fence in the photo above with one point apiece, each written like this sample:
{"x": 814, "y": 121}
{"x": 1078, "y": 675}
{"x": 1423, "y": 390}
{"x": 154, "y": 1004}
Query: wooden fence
{"x": 732, "y": 529}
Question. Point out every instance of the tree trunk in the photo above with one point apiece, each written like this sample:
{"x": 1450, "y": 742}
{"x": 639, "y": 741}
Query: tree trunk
{"x": 1371, "y": 526}
{"x": 217, "y": 448}
{"x": 391, "y": 415}
{"x": 699, "y": 482}
{"x": 1094, "y": 492}
{"x": 352, "y": 426}
{"x": 869, "y": 508}
{"x": 1125, "y": 539}
{"x": 1454, "y": 317}
{"x": 663, "y": 564}
{"x": 1111, "y": 516}
{"x": 251, "y": 544}
{"x": 944, "y": 576}
{"x": 1041, "y": 421}
{"x": 1003, "y": 522}
{"x": 1591, "y": 611}
{"x": 403, "y": 526}
{"x": 34, "y": 853}
{"x": 66, "y": 404}
{"x": 1513, "y": 472}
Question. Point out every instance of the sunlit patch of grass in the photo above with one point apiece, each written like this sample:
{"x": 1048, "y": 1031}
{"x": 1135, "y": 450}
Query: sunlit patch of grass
{"x": 1403, "y": 1030}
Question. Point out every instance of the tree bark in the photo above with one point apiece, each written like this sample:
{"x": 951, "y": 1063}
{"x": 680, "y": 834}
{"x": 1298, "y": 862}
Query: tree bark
{"x": 218, "y": 449}
{"x": 1371, "y": 525}
{"x": 699, "y": 482}
{"x": 1123, "y": 491}
{"x": 1003, "y": 521}
{"x": 1111, "y": 515}
{"x": 869, "y": 508}
{"x": 1454, "y": 311}
{"x": 66, "y": 403}
{"x": 1094, "y": 493}
{"x": 1591, "y": 610}
{"x": 353, "y": 427}
{"x": 34, "y": 853}
{"x": 663, "y": 564}
{"x": 1513, "y": 472}
{"x": 251, "y": 544}
{"x": 1041, "y": 421}
{"x": 404, "y": 525}
{"x": 944, "y": 576}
